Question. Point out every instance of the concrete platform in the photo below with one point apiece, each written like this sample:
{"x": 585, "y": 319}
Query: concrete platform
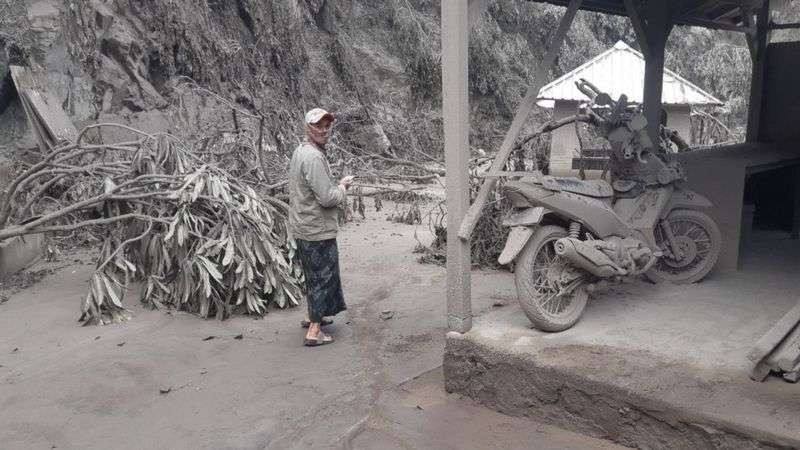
{"x": 647, "y": 366}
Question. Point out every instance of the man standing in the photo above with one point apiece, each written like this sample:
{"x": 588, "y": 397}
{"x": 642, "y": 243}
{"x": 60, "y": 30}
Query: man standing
{"x": 313, "y": 219}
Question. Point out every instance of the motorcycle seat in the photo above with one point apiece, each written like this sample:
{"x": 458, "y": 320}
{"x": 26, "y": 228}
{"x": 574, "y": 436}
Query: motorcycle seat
{"x": 591, "y": 188}
{"x": 527, "y": 189}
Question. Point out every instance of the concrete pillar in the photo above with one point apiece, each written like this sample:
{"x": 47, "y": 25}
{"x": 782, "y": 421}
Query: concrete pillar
{"x": 564, "y": 143}
{"x": 455, "y": 112}
{"x": 659, "y": 26}
{"x": 679, "y": 119}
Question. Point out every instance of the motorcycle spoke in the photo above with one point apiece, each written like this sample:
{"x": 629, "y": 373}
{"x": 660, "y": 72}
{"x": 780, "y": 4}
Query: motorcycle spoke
{"x": 547, "y": 301}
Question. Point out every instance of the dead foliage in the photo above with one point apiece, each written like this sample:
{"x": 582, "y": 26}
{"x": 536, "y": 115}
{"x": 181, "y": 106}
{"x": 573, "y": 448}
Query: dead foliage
{"x": 486, "y": 242}
{"x": 410, "y": 215}
{"x": 198, "y": 238}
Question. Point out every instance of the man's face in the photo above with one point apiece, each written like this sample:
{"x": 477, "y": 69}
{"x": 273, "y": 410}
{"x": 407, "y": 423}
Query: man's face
{"x": 320, "y": 132}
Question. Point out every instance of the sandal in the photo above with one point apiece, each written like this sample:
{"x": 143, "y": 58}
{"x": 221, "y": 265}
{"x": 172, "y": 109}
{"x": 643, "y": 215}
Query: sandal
{"x": 325, "y": 321}
{"x": 321, "y": 339}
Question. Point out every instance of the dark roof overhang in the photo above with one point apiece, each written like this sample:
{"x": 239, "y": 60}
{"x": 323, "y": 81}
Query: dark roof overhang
{"x": 714, "y": 14}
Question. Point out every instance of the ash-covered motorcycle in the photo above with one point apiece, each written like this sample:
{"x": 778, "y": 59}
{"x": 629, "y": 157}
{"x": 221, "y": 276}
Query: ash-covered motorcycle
{"x": 568, "y": 234}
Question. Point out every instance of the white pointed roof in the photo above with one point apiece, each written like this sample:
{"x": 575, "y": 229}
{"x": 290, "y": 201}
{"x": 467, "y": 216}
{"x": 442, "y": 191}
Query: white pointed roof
{"x": 620, "y": 70}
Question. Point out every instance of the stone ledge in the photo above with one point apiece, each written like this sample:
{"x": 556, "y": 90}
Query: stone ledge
{"x": 605, "y": 393}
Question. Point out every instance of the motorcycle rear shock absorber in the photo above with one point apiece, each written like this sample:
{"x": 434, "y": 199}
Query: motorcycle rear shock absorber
{"x": 574, "y": 230}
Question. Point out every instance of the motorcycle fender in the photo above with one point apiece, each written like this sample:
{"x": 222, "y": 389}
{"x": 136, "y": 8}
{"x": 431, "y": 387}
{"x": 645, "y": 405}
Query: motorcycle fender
{"x": 685, "y": 199}
{"x": 526, "y": 217}
{"x": 517, "y": 239}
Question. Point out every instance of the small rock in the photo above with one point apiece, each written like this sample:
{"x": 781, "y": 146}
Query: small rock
{"x": 165, "y": 391}
{"x": 120, "y": 344}
{"x": 16, "y": 349}
{"x": 208, "y": 338}
{"x": 420, "y": 408}
{"x": 239, "y": 336}
{"x": 203, "y": 372}
{"x": 386, "y": 315}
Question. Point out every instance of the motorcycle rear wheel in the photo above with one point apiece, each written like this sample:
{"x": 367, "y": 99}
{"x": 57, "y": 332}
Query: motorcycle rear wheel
{"x": 700, "y": 241}
{"x": 536, "y": 267}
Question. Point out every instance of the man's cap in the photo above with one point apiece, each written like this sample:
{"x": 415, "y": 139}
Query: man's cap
{"x": 316, "y": 114}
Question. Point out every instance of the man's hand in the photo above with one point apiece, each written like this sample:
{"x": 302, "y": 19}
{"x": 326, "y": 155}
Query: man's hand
{"x": 346, "y": 181}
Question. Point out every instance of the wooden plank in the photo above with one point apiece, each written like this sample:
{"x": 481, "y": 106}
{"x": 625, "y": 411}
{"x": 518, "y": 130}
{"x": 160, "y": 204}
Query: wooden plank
{"x": 747, "y": 13}
{"x": 792, "y": 377}
{"x": 22, "y": 77}
{"x": 50, "y": 124}
{"x": 784, "y": 26}
{"x": 23, "y": 81}
{"x": 760, "y": 372}
{"x": 53, "y": 118}
{"x": 787, "y": 353}
{"x": 775, "y": 335}
{"x": 37, "y": 127}
{"x": 521, "y": 116}
{"x": 638, "y": 27}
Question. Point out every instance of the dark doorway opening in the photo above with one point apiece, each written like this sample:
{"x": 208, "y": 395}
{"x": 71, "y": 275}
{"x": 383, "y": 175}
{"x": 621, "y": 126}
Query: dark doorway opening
{"x": 772, "y": 193}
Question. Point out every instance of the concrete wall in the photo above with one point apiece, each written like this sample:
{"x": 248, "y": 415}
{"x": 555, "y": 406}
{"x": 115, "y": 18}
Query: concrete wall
{"x": 719, "y": 174}
{"x": 781, "y": 104}
{"x": 564, "y": 143}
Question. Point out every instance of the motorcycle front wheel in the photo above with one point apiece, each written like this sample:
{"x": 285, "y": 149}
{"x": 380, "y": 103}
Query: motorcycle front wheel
{"x": 538, "y": 268}
{"x": 699, "y": 242}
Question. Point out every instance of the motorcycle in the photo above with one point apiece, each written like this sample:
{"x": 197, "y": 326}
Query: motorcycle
{"x": 567, "y": 235}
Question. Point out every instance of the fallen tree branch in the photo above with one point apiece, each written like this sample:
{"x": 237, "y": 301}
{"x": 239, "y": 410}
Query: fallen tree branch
{"x": 200, "y": 239}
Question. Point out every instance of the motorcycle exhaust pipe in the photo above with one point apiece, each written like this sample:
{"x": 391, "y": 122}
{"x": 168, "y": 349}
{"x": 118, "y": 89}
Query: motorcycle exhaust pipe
{"x": 595, "y": 262}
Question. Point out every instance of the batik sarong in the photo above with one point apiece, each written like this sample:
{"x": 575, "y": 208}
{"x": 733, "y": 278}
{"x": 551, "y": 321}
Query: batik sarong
{"x": 320, "y": 260}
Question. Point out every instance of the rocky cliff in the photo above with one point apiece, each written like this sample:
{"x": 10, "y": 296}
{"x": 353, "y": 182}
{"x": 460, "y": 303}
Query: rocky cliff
{"x": 154, "y": 64}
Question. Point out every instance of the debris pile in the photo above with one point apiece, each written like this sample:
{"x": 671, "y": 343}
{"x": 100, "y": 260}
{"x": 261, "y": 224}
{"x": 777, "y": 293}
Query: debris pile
{"x": 197, "y": 238}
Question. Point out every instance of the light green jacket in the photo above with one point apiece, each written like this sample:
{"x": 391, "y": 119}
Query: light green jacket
{"x": 313, "y": 196}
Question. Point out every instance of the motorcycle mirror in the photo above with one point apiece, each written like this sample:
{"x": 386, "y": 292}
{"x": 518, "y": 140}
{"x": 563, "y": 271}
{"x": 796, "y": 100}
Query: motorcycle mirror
{"x": 603, "y": 99}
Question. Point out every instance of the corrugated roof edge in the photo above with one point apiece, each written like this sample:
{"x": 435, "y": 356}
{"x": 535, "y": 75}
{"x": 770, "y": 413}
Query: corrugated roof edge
{"x": 621, "y": 46}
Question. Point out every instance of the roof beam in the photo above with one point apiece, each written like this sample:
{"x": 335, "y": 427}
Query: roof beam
{"x": 659, "y": 26}
{"x": 727, "y": 26}
{"x": 687, "y": 12}
{"x": 750, "y": 38}
{"x": 523, "y": 111}
{"x": 784, "y": 26}
{"x": 757, "y": 80}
